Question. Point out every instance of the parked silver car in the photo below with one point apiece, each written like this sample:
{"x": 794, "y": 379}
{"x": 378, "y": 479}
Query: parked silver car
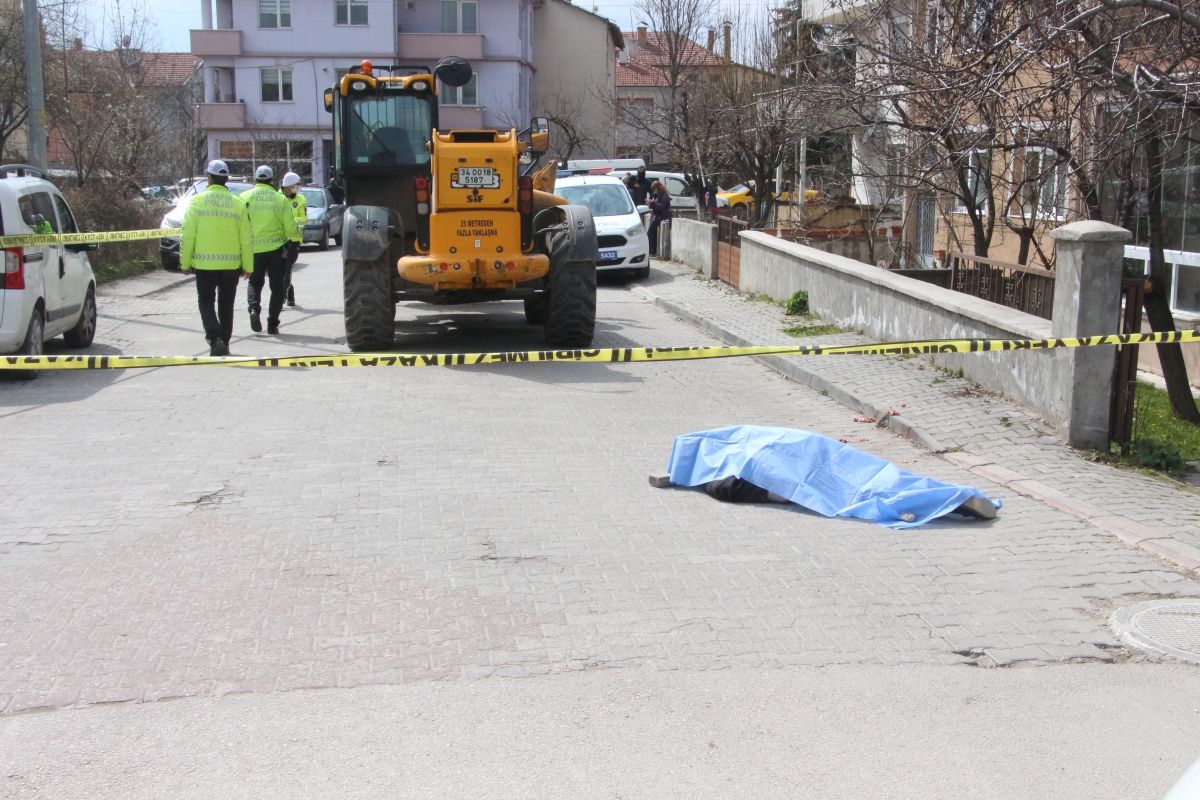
{"x": 324, "y": 217}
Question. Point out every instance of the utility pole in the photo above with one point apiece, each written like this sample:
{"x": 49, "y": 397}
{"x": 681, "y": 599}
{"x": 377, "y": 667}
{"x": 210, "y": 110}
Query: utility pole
{"x": 34, "y": 94}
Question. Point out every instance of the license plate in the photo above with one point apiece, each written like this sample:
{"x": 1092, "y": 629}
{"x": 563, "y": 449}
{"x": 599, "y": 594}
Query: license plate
{"x": 474, "y": 178}
{"x": 608, "y": 255}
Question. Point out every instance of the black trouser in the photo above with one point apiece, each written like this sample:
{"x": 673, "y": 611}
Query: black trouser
{"x": 268, "y": 267}
{"x": 217, "y": 286}
{"x": 652, "y": 234}
{"x": 291, "y": 255}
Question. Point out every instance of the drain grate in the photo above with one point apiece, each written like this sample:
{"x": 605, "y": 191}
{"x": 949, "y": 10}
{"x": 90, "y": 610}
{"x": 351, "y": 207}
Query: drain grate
{"x": 1163, "y": 626}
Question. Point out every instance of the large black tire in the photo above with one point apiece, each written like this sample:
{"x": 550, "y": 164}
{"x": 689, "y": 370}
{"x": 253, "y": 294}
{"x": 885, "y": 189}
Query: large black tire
{"x": 85, "y": 329}
{"x": 34, "y": 344}
{"x": 370, "y": 309}
{"x": 570, "y": 298}
{"x": 324, "y": 243}
{"x": 535, "y": 309}
{"x": 338, "y": 240}
{"x": 641, "y": 273}
{"x": 741, "y": 211}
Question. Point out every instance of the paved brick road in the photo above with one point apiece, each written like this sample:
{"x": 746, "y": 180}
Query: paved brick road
{"x": 994, "y": 437}
{"x": 178, "y": 532}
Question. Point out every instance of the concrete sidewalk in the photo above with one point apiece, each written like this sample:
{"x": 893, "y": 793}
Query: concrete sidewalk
{"x": 987, "y": 434}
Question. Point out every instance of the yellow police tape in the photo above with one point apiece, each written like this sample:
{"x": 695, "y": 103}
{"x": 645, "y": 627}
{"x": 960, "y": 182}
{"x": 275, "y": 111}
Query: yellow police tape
{"x": 96, "y": 237}
{"x": 612, "y": 355}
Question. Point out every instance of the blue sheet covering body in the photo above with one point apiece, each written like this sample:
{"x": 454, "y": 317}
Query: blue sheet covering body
{"x": 814, "y": 471}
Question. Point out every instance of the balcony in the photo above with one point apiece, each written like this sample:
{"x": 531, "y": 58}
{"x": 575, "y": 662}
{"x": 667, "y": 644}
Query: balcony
{"x": 216, "y": 43}
{"x": 459, "y": 118}
{"x": 221, "y": 116}
{"x": 429, "y": 47}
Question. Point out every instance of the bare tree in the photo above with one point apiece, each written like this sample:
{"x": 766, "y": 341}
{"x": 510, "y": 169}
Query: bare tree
{"x": 12, "y": 75}
{"x": 758, "y": 121}
{"x": 1000, "y": 105}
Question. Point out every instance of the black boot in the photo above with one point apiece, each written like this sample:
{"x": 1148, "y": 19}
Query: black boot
{"x": 217, "y": 347}
{"x": 272, "y": 327}
{"x": 291, "y": 295}
{"x": 255, "y": 322}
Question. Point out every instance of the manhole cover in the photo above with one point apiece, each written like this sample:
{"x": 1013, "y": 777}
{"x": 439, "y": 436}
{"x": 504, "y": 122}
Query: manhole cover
{"x": 1164, "y": 626}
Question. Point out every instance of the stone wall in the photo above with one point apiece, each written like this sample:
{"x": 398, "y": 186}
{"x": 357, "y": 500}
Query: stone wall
{"x": 890, "y": 307}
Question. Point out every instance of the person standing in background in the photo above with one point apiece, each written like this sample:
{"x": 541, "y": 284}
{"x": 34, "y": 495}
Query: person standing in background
{"x": 290, "y": 188}
{"x": 660, "y": 210}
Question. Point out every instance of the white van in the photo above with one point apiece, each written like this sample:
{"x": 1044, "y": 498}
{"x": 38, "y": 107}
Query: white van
{"x": 677, "y": 186}
{"x": 48, "y": 289}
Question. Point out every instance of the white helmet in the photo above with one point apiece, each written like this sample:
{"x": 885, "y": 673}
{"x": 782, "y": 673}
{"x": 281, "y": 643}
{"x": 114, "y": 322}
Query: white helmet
{"x": 290, "y": 179}
{"x": 264, "y": 173}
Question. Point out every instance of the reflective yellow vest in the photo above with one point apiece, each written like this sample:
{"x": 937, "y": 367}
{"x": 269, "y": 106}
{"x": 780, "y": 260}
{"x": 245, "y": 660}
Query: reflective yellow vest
{"x": 299, "y": 211}
{"x": 270, "y": 218}
{"x": 216, "y": 232}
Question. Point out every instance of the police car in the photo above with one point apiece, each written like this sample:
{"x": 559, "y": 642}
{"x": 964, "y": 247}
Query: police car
{"x": 49, "y": 289}
{"x": 620, "y": 229}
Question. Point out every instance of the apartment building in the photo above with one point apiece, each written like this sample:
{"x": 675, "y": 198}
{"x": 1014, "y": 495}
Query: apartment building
{"x": 266, "y": 63}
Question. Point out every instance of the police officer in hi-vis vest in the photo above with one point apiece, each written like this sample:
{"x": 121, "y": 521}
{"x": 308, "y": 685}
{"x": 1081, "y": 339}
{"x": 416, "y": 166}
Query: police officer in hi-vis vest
{"x": 216, "y": 244}
{"x": 290, "y": 188}
{"x": 272, "y": 227}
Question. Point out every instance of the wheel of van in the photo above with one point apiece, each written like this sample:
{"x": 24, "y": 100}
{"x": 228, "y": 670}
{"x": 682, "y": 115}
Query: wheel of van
{"x": 34, "y": 344}
{"x": 570, "y": 297}
{"x": 324, "y": 243}
{"x": 535, "y": 309}
{"x": 370, "y": 310}
{"x": 641, "y": 273}
{"x": 85, "y": 329}
{"x": 741, "y": 211}
{"x": 338, "y": 240}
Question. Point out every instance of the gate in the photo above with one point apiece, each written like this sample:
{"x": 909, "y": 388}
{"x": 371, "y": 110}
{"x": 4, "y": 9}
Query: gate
{"x": 729, "y": 249}
{"x": 1120, "y": 421}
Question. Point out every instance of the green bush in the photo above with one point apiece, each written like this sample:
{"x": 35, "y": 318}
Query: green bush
{"x": 1160, "y": 456}
{"x": 98, "y": 210}
{"x": 797, "y": 305}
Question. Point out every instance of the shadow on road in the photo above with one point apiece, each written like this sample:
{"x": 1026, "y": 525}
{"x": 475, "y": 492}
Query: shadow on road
{"x": 57, "y": 387}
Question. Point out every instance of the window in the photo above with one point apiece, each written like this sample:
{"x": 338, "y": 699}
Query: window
{"x": 974, "y": 173}
{"x": 677, "y": 188}
{"x": 274, "y": 13}
{"x": 460, "y": 95}
{"x": 351, "y": 12}
{"x": 64, "y": 216}
{"x": 460, "y": 16}
{"x": 276, "y": 85}
{"x": 638, "y": 110}
{"x": 1043, "y": 183}
{"x": 980, "y": 23}
{"x": 935, "y": 26}
{"x": 282, "y": 155}
{"x": 38, "y": 203}
{"x": 388, "y": 131}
